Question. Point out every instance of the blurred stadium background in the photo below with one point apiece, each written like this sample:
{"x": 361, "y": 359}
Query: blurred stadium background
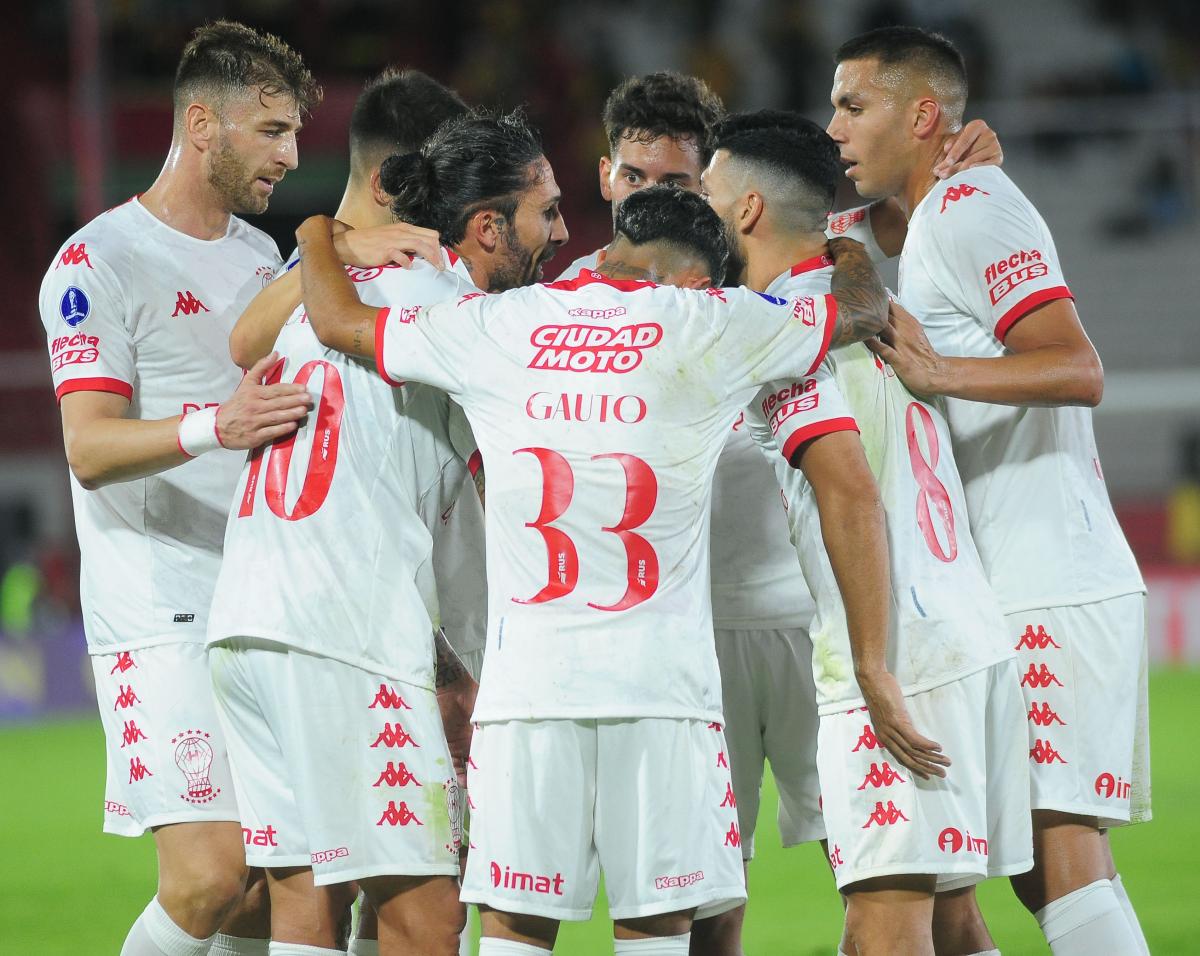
{"x": 1097, "y": 103}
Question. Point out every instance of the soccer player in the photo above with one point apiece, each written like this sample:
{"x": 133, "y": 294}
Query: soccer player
{"x": 606, "y": 398}
{"x": 932, "y": 646}
{"x": 137, "y": 308}
{"x": 329, "y": 671}
{"x": 659, "y": 128}
{"x": 1003, "y": 342}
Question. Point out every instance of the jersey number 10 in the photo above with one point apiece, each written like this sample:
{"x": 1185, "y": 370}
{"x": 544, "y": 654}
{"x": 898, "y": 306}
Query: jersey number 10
{"x": 326, "y": 427}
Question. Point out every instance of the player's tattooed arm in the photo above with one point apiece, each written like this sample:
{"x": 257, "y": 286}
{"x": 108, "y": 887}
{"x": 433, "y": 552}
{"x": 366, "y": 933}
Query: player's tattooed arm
{"x": 862, "y": 302}
{"x": 855, "y": 536}
{"x": 456, "y": 693}
{"x": 338, "y": 317}
{"x": 449, "y": 667}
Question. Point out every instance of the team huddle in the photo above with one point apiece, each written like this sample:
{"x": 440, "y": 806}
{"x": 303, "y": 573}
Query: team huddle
{"x": 409, "y": 573}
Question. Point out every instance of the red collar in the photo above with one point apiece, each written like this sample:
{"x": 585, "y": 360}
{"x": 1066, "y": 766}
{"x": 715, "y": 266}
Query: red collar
{"x": 811, "y": 265}
{"x": 588, "y": 277}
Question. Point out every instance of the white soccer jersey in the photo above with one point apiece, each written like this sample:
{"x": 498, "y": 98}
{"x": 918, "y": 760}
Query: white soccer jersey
{"x": 328, "y": 546}
{"x": 977, "y": 259}
{"x": 600, "y": 408}
{"x": 756, "y": 580}
{"x": 136, "y": 308}
{"x": 583, "y": 263}
{"x": 945, "y": 622}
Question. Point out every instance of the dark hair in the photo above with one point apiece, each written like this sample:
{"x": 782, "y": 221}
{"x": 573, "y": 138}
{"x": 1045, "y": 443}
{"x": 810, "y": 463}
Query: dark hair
{"x": 914, "y": 50}
{"x": 662, "y": 104}
{"x": 395, "y": 113}
{"x": 678, "y": 218}
{"x": 224, "y": 57}
{"x": 477, "y": 161}
{"x": 789, "y": 146}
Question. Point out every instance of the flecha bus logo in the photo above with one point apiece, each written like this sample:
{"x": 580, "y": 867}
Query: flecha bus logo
{"x": 592, "y": 348}
{"x": 1004, "y": 275}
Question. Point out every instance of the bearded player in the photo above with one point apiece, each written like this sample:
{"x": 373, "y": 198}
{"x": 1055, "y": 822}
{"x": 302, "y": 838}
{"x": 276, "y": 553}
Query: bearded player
{"x": 156, "y": 419}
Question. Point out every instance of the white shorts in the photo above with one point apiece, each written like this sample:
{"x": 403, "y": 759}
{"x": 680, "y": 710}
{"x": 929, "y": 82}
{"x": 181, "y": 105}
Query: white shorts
{"x": 336, "y": 768}
{"x": 167, "y": 761}
{"x": 972, "y": 824}
{"x": 1083, "y": 673}
{"x": 650, "y": 801}
{"x": 770, "y": 705}
{"x": 473, "y": 662}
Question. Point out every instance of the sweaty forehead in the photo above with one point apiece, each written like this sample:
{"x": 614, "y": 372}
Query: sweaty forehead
{"x": 253, "y": 106}
{"x": 867, "y": 79}
{"x": 662, "y": 154}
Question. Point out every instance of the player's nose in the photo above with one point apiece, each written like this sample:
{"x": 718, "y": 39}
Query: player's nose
{"x": 288, "y": 152}
{"x": 558, "y": 232}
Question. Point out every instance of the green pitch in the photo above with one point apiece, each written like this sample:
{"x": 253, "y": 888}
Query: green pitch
{"x": 68, "y": 890}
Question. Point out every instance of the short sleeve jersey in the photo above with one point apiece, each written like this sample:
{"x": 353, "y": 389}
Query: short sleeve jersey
{"x": 328, "y": 547}
{"x": 977, "y": 260}
{"x": 600, "y": 408}
{"x": 138, "y": 309}
{"x": 945, "y": 622}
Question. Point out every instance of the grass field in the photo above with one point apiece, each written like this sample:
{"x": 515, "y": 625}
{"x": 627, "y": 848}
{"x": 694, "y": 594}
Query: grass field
{"x": 68, "y": 890}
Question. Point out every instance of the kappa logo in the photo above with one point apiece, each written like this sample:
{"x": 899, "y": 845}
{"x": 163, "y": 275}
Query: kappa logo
{"x": 867, "y": 739}
{"x": 602, "y": 315}
{"x": 715, "y": 726}
{"x": 74, "y": 255}
{"x": 394, "y": 737}
{"x": 1006, "y": 274}
{"x": 471, "y": 295}
{"x": 396, "y": 776}
{"x": 124, "y": 662}
{"x": 1043, "y": 752}
{"x": 1108, "y": 786}
{"x": 1035, "y": 677}
{"x": 733, "y": 836}
{"x": 262, "y": 837}
{"x": 126, "y": 697}
{"x": 1038, "y": 641}
{"x": 386, "y": 697}
{"x": 841, "y": 223}
{"x": 593, "y": 348}
{"x": 881, "y": 777}
{"x": 721, "y": 760}
{"x": 327, "y": 856}
{"x": 717, "y": 293}
{"x": 398, "y": 816}
{"x": 131, "y": 734}
{"x": 953, "y": 840}
{"x": 1045, "y": 716}
{"x": 528, "y": 882}
{"x": 885, "y": 816}
{"x": 955, "y": 193}
{"x": 116, "y": 808}
{"x": 678, "y": 882}
{"x": 730, "y": 800}
{"x": 187, "y": 304}
{"x": 138, "y": 770}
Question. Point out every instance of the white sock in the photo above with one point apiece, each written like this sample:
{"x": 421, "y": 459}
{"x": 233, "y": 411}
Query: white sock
{"x": 653, "y": 946}
{"x": 295, "y": 949}
{"x": 1130, "y": 916}
{"x": 238, "y": 946}
{"x": 491, "y": 946}
{"x": 1087, "y": 921}
{"x": 155, "y": 934}
{"x": 363, "y": 947}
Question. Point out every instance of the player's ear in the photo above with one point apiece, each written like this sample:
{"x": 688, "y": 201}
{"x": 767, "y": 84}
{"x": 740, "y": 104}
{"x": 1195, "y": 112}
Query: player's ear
{"x": 377, "y": 193}
{"x": 695, "y": 282}
{"x": 927, "y": 117}
{"x": 605, "y": 172}
{"x": 601, "y": 257}
{"x": 486, "y": 228}
{"x": 200, "y": 124}
{"x": 751, "y": 211}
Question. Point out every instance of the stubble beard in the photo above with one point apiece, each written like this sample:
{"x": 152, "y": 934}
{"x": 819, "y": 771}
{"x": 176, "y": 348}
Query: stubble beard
{"x": 233, "y": 182}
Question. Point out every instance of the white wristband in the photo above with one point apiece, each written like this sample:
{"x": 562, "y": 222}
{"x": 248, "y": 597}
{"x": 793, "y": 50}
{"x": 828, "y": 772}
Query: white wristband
{"x": 198, "y": 432}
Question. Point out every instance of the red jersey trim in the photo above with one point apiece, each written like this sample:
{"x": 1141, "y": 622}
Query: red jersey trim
{"x": 380, "y": 325}
{"x": 588, "y": 277}
{"x": 811, "y": 265}
{"x": 475, "y": 462}
{"x": 827, "y": 332}
{"x": 816, "y": 430}
{"x": 113, "y": 385}
{"x": 451, "y": 255}
{"x": 1027, "y": 305}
